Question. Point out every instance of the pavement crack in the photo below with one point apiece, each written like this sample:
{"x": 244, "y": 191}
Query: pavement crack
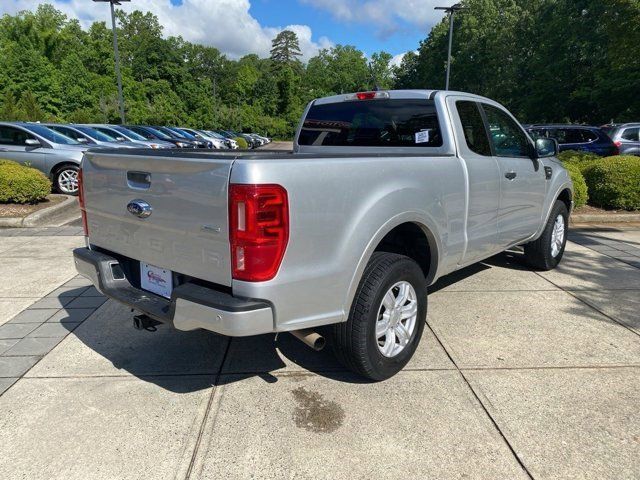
{"x": 482, "y": 405}
{"x": 207, "y": 413}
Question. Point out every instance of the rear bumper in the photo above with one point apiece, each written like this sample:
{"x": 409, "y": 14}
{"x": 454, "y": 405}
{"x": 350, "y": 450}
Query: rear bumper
{"x": 191, "y": 306}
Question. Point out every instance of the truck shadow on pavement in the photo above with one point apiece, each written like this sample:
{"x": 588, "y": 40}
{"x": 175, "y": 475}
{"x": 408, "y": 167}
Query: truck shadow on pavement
{"x": 191, "y": 361}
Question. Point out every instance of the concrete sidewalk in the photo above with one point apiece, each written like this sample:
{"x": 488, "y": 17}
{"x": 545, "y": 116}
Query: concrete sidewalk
{"x": 519, "y": 375}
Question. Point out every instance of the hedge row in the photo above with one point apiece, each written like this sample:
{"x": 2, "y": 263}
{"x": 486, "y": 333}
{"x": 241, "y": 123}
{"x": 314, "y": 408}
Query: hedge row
{"x": 611, "y": 182}
{"x": 19, "y": 184}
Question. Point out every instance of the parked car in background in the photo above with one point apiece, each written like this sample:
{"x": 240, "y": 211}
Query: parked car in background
{"x": 262, "y": 139}
{"x": 216, "y": 141}
{"x": 576, "y": 137}
{"x": 54, "y": 154}
{"x": 90, "y": 136}
{"x": 229, "y": 142}
{"x": 187, "y": 136}
{"x": 626, "y": 136}
{"x": 384, "y": 193}
{"x": 121, "y": 133}
{"x": 232, "y": 142}
{"x": 154, "y": 134}
{"x": 251, "y": 142}
{"x": 180, "y": 136}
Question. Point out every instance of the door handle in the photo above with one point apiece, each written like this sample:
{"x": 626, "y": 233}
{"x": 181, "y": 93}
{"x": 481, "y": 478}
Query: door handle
{"x": 510, "y": 175}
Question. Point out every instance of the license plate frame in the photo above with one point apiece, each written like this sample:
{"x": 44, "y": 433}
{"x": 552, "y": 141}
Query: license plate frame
{"x": 156, "y": 280}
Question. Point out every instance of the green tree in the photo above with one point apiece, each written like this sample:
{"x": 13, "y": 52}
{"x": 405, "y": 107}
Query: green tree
{"x": 285, "y": 48}
{"x": 28, "y": 104}
{"x": 10, "y": 110}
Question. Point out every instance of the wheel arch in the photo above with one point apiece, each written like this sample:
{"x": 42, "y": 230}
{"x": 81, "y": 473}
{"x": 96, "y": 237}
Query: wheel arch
{"x": 402, "y": 234}
{"x": 59, "y": 165}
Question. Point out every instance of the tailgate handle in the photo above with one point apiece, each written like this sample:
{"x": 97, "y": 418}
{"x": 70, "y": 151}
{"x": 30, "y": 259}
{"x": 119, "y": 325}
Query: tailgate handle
{"x": 139, "y": 180}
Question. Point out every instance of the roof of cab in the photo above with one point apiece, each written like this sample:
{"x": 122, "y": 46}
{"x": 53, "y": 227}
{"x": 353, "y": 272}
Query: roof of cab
{"x": 425, "y": 94}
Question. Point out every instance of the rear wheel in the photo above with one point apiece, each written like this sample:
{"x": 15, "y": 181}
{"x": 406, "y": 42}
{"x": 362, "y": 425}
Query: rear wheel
{"x": 547, "y": 252}
{"x": 386, "y": 320}
{"x": 65, "y": 179}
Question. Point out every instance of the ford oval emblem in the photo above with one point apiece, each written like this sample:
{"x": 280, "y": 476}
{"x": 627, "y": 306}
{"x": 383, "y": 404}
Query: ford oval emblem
{"x": 139, "y": 208}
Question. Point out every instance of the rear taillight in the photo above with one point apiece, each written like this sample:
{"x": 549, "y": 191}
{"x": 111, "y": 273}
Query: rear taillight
{"x": 618, "y": 144}
{"x": 83, "y": 212}
{"x": 259, "y": 230}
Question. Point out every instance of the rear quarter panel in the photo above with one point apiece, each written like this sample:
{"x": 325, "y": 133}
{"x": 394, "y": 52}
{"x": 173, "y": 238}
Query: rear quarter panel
{"x": 340, "y": 208}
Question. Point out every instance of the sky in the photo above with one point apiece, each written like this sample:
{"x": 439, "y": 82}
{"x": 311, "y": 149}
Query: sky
{"x": 239, "y": 27}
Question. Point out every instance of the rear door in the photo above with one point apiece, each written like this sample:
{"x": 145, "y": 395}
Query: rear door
{"x": 187, "y": 231}
{"x": 522, "y": 179}
{"x": 483, "y": 171}
{"x": 13, "y": 147}
{"x": 630, "y": 141}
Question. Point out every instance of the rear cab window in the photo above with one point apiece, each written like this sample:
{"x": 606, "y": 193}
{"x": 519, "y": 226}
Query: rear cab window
{"x": 411, "y": 123}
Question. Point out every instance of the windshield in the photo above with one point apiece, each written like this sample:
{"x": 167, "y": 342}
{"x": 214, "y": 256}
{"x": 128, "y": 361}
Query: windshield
{"x": 374, "y": 123}
{"x": 177, "y": 133}
{"x": 184, "y": 133}
{"x": 158, "y": 133}
{"x": 128, "y": 133}
{"x": 167, "y": 133}
{"x": 213, "y": 134}
{"x": 95, "y": 134}
{"x": 51, "y": 135}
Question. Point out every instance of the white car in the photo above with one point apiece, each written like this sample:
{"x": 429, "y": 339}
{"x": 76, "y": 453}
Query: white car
{"x": 218, "y": 142}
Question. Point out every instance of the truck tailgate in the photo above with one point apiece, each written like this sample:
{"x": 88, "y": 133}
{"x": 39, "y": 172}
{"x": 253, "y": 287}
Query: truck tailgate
{"x": 187, "y": 231}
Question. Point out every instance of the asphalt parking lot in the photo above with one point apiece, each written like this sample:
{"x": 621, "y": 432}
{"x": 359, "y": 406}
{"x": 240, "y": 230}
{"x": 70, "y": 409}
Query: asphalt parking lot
{"x": 519, "y": 375}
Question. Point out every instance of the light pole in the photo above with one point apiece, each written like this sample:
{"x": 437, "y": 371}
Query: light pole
{"x": 117, "y": 54}
{"x": 451, "y": 11}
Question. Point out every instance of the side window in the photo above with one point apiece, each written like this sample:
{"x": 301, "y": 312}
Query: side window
{"x": 537, "y": 133}
{"x": 568, "y": 135}
{"x": 13, "y": 136}
{"x": 589, "y": 136}
{"x": 475, "y": 133}
{"x": 631, "y": 134}
{"x": 508, "y": 138}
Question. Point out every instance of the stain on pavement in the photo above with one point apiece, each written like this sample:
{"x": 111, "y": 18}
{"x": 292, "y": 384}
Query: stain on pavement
{"x": 316, "y": 414}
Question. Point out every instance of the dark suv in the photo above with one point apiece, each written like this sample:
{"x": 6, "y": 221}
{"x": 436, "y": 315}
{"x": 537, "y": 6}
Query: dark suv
{"x": 576, "y": 137}
{"x": 626, "y": 136}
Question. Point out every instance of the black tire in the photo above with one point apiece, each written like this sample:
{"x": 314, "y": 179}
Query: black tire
{"x": 355, "y": 343}
{"x": 61, "y": 182}
{"x": 539, "y": 253}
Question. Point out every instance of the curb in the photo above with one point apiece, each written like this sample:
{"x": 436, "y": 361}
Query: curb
{"x": 54, "y": 216}
{"x": 606, "y": 218}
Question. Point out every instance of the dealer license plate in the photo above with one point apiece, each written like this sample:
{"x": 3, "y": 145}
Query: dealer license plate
{"x": 156, "y": 280}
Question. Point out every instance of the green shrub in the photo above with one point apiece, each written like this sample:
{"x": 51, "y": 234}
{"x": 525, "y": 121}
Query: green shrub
{"x": 614, "y": 182}
{"x": 580, "y": 191}
{"x": 575, "y": 156}
{"x": 20, "y": 184}
{"x": 242, "y": 143}
{"x": 582, "y": 160}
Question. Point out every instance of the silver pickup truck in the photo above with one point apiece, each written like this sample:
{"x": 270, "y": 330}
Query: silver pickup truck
{"x": 383, "y": 193}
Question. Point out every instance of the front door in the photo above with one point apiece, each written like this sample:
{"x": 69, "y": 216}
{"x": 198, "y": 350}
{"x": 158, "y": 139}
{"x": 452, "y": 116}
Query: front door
{"x": 13, "y": 147}
{"x": 523, "y": 182}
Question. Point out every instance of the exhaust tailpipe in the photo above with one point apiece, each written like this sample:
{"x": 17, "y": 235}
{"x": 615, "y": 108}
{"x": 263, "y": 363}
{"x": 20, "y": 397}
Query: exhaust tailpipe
{"x": 310, "y": 339}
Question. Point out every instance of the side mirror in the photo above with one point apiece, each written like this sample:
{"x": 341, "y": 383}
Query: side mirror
{"x": 82, "y": 140}
{"x": 546, "y": 147}
{"x": 121, "y": 139}
{"x": 32, "y": 142}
